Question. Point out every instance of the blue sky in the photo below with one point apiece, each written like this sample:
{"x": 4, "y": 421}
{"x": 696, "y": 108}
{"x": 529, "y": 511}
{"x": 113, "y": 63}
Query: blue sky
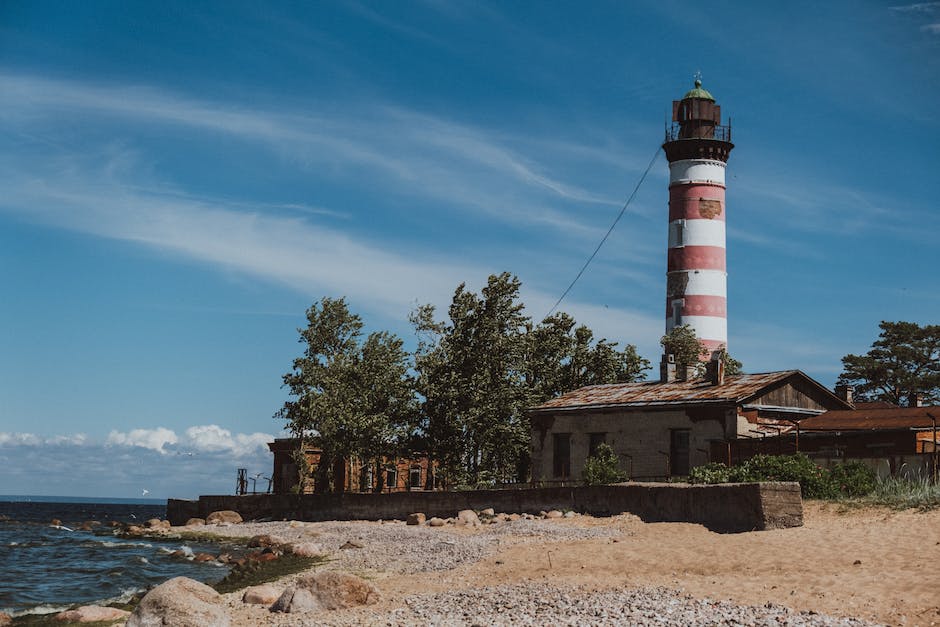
{"x": 180, "y": 180}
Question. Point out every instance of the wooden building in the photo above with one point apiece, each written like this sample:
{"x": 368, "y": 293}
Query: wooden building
{"x": 661, "y": 429}
{"x": 349, "y": 475}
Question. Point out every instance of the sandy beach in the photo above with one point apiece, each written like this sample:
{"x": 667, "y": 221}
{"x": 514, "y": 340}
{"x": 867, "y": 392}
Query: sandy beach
{"x": 870, "y": 564}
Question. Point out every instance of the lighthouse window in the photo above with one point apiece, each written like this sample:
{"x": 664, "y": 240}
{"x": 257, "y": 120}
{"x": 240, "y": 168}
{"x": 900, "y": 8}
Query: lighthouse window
{"x": 677, "y": 311}
{"x": 680, "y": 233}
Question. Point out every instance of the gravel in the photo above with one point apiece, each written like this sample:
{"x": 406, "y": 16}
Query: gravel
{"x": 543, "y": 604}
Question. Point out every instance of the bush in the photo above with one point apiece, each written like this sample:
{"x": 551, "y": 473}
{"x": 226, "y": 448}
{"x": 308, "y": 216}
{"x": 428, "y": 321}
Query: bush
{"x": 712, "y": 472}
{"x": 603, "y": 467}
{"x": 814, "y": 481}
{"x": 853, "y": 479}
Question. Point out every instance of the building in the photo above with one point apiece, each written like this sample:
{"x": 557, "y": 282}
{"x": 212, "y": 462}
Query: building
{"x": 892, "y": 440}
{"x": 697, "y": 147}
{"x": 661, "y": 429}
{"x": 353, "y": 475}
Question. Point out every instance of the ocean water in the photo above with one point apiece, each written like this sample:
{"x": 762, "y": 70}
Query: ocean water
{"x": 45, "y": 569}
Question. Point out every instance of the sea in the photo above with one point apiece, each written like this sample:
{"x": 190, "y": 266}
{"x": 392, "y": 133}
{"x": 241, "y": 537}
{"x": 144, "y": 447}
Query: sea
{"x": 46, "y": 568}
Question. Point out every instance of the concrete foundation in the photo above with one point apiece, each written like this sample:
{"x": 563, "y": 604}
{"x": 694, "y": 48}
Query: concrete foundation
{"x": 724, "y": 508}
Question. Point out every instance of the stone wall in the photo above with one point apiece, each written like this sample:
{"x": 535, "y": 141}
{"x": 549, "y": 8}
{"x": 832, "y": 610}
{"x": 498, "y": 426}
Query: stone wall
{"x": 725, "y": 507}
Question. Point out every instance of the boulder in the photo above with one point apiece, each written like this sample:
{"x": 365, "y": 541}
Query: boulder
{"x": 436, "y": 522}
{"x": 307, "y": 549}
{"x": 265, "y": 541}
{"x": 261, "y": 595}
{"x": 326, "y": 590}
{"x": 468, "y": 517}
{"x": 89, "y": 525}
{"x": 156, "y": 523}
{"x": 55, "y": 522}
{"x": 91, "y": 614}
{"x": 203, "y": 557}
{"x": 181, "y": 602}
{"x": 224, "y": 516}
{"x": 489, "y": 512}
{"x": 417, "y": 518}
{"x": 267, "y": 555}
{"x": 5, "y": 619}
{"x": 552, "y": 514}
{"x": 195, "y": 522}
{"x": 513, "y": 517}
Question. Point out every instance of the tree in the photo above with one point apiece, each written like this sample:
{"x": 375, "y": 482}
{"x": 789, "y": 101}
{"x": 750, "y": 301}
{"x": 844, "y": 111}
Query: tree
{"x": 354, "y": 398}
{"x": 689, "y": 351}
{"x": 682, "y": 343}
{"x": 603, "y": 467}
{"x": 903, "y": 363}
{"x": 479, "y": 371}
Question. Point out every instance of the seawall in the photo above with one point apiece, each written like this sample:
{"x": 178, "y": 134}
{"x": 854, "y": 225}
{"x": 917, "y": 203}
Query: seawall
{"x": 732, "y": 507}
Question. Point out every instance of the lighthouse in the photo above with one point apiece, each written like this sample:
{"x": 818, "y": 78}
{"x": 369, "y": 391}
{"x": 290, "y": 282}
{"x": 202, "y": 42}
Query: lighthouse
{"x": 697, "y": 146}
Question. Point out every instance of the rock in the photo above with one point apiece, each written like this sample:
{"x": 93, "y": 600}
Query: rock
{"x": 265, "y": 541}
{"x": 261, "y": 595}
{"x": 181, "y": 602}
{"x": 203, "y": 557}
{"x": 266, "y": 555}
{"x": 352, "y": 544}
{"x": 570, "y": 514}
{"x": 5, "y": 619}
{"x": 513, "y": 517}
{"x": 156, "y": 523}
{"x": 195, "y": 522}
{"x": 134, "y": 530}
{"x": 436, "y": 522}
{"x": 468, "y": 517}
{"x": 89, "y": 525}
{"x": 489, "y": 512}
{"x": 326, "y": 590}
{"x": 552, "y": 514}
{"x": 224, "y": 558}
{"x": 55, "y": 522}
{"x": 224, "y": 516}
{"x": 91, "y": 614}
{"x": 307, "y": 549}
{"x": 417, "y": 518}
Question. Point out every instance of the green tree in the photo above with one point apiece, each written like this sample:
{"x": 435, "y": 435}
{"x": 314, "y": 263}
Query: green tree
{"x": 903, "y": 362}
{"x": 354, "y": 398}
{"x": 682, "y": 342}
{"x": 479, "y": 371}
{"x": 689, "y": 351}
{"x": 603, "y": 467}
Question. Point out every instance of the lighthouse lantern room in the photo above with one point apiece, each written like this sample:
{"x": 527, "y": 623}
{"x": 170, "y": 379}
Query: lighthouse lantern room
{"x": 697, "y": 146}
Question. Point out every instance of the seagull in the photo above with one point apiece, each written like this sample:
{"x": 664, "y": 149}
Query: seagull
{"x": 62, "y": 527}
{"x": 145, "y": 492}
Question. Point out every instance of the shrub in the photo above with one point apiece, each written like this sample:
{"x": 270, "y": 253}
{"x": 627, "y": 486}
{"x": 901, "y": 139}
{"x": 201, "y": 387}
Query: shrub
{"x": 603, "y": 467}
{"x": 815, "y": 482}
{"x": 712, "y": 472}
{"x": 853, "y": 479}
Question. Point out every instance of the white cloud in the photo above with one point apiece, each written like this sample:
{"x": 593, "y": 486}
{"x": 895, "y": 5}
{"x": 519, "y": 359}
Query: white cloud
{"x": 19, "y": 439}
{"x": 154, "y": 439}
{"x": 933, "y": 29}
{"x": 214, "y": 438}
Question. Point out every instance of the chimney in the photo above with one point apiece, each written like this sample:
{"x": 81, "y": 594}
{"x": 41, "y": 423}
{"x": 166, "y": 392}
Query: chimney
{"x": 667, "y": 369}
{"x": 915, "y": 399}
{"x": 686, "y": 373}
{"x": 846, "y": 393}
{"x": 715, "y": 369}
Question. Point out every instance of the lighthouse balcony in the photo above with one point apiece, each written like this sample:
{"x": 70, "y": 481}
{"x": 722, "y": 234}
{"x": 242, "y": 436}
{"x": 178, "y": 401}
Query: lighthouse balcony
{"x": 677, "y": 131}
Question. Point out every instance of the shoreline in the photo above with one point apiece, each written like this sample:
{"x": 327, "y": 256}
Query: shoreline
{"x": 861, "y": 564}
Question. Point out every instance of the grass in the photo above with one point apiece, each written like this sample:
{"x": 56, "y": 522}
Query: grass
{"x": 255, "y": 573}
{"x": 917, "y": 492}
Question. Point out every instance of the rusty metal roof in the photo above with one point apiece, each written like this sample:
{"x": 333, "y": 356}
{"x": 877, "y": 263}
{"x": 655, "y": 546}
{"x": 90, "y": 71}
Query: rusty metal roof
{"x": 736, "y": 389}
{"x": 871, "y": 419}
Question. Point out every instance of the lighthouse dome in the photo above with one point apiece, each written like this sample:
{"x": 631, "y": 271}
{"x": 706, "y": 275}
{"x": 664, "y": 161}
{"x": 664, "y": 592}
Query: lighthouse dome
{"x": 698, "y": 92}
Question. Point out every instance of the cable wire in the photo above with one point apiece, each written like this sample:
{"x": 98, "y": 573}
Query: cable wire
{"x": 606, "y": 235}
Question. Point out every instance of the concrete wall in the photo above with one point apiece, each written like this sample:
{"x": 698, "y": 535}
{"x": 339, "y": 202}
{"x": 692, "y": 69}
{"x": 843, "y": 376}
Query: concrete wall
{"x": 726, "y": 507}
{"x": 640, "y": 438}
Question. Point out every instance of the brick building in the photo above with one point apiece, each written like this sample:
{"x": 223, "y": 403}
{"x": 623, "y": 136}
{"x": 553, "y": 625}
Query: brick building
{"x": 661, "y": 429}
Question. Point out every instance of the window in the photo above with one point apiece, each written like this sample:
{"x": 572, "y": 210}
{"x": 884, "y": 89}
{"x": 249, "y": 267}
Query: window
{"x": 561, "y": 454}
{"x": 414, "y": 478}
{"x": 391, "y": 478}
{"x": 596, "y": 439}
{"x": 679, "y": 452}
{"x": 678, "y": 233}
{"x": 677, "y": 311}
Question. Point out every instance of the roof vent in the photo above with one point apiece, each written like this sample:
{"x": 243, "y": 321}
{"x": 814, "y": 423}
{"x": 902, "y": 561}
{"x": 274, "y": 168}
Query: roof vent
{"x": 667, "y": 369}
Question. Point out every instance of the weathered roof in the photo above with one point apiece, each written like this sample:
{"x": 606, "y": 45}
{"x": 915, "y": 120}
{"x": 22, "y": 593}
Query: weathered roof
{"x": 698, "y": 92}
{"x": 869, "y": 419}
{"x": 735, "y": 389}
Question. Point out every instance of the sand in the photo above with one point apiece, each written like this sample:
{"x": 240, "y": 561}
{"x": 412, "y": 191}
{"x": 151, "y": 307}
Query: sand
{"x": 873, "y": 564}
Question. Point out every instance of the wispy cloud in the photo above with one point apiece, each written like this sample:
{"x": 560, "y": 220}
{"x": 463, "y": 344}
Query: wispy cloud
{"x": 933, "y": 29}
{"x": 917, "y": 7}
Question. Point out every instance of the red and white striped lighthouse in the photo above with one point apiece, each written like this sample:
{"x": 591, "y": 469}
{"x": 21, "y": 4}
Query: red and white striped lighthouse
{"x": 697, "y": 147}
